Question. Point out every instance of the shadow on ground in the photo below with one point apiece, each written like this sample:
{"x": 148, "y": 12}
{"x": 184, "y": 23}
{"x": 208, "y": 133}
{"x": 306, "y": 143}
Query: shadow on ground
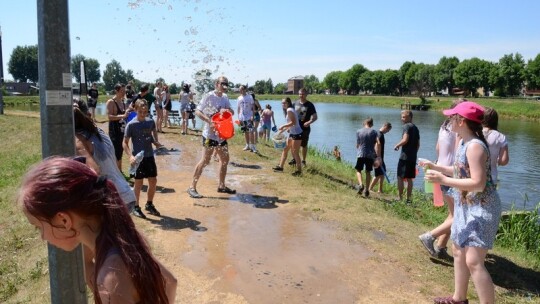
{"x": 507, "y": 274}
{"x": 170, "y": 223}
{"x": 259, "y": 201}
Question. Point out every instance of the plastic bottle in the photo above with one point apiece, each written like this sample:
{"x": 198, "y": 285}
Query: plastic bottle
{"x": 438, "y": 200}
{"x": 428, "y": 186}
{"x": 138, "y": 159}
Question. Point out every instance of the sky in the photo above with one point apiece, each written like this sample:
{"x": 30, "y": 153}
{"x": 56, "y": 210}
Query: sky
{"x": 250, "y": 40}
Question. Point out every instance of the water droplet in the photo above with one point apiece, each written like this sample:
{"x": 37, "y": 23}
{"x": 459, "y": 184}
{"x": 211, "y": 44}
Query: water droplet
{"x": 78, "y": 38}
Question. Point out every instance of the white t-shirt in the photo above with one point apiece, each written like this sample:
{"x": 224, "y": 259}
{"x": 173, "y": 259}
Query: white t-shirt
{"x": 496, "y": 141}
{"x": 245, "y": 107}
{"x": 447, "y": 147}
{"x": 210, "y": 105}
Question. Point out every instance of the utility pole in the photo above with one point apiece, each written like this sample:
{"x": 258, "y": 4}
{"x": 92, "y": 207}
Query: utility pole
{"x": 1, "y": 76}
{"x": 66, "y": 271}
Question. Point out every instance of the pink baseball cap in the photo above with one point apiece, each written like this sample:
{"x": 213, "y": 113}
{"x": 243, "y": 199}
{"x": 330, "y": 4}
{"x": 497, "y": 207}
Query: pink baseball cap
{"x": 468, "y": 109}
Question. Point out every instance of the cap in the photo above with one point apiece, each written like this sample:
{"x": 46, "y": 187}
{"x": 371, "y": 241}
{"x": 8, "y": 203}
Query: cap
{"x": 468, "y": 109}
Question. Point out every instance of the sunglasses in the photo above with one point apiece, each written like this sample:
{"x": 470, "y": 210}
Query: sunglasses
{"x": 225, "y": 84}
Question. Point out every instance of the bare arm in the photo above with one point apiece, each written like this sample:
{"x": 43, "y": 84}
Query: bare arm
{"x": 312, "y": 120}
{"x": 403, "y": 141}
{"x": 504, "y": 158}
{"x": 292, "y": 117}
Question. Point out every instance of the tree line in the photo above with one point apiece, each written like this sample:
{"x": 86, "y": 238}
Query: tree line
{"x": 507, "y": 77}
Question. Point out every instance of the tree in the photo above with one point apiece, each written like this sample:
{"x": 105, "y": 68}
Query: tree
{"x": 444, "y": 73}
{"x": 280, "y": 88}
{"x": 349, "y": 79}
{"x": 331, "y": 81}
{"x": 390, "y": 82}
{"x": 419, "y": 78}
{"x": 259, "y": 87}
{"x": 366, "y": 82}
{"x": 173, "y": 88}
{"x": 403, "y": 87}
{"x": 532, "y": 73}
{"x": 471, "y": 74}
{"x": 23, "y": 64}
{"x": 269, "y": 88}
{"x": 115, "y": 74}
{"x": 93, "y": 74}
{"x": 509, "y": 75}
{"x": 311, "y": 84}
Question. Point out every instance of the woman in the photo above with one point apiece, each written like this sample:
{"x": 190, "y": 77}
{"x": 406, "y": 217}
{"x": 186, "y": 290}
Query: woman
{"x": 256, "y": 117}
{"x": 167, "y": 106}
{"x": 71, "y": 205}
{"x": 294, "y": 139}
{"x": 477, "y": 209}
{"x": 185, "y": 98}
{"x": 97, "y": 148}
{"x": 267, "y": 121}
{"x": 498, "y": 146}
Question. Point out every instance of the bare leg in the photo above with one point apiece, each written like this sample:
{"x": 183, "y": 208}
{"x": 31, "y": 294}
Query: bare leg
{"x": 223, "y": 153}
{"x": 152, "y": 182}
{"x": 359, "y": 177}
{"x": 304, "y": 153}
{"x": 205, "y": 159}
{"x": 295, "y": 150}
{"x": 285, "y": 152}
{"x": 400, "y": 187}
{"x": 409, "y": 188}
{"x": 475, "y": 257}
{"x": 442, "y": 232}
{"x": 368, "y": 178}
{"x": 461, "y": 273}
{"x": 137, "y": 186}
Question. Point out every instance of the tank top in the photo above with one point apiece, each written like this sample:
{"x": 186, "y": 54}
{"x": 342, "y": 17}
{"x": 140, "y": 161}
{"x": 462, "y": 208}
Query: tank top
{"x": 117, "y": 127}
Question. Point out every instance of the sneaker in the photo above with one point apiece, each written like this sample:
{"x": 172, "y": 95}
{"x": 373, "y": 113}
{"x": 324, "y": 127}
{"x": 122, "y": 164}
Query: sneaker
{"x": 292, "y": 162}
{"x": 246, "y": 148}
{"x": 427, "y": 240}
{"x": 360, "y": 189}
{"x": 193, "y": 193}
{"x": 277, "y": 169}
{"x": 226, "y": 190}
{"x": 297, "y": 173}
{"x": 442, "y": 254}
{"x": 138, "y": 212}
{"x": 152, "y": 209}
{"x": 254, "y": 149}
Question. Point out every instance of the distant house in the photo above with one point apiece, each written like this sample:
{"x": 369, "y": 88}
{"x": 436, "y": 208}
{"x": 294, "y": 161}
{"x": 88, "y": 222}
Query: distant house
{"x": 294, "y": 84}
{"x": 21, "y": 88}
{"x": 531, "y": 92}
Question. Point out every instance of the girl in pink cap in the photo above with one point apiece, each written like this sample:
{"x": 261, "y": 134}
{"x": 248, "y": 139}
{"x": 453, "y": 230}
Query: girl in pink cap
{"x": 477, "y": 204}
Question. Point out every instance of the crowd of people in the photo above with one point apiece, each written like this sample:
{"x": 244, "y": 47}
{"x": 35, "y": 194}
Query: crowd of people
{"x": 95, "y": 194}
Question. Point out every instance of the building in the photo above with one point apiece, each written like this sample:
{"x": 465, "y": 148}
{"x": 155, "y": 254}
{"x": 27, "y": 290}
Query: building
{"x": 21, "y": 88}
{"x": 294, "y": 84}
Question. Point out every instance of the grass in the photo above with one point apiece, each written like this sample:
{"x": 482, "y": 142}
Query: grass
{"x": 387, "y": 229}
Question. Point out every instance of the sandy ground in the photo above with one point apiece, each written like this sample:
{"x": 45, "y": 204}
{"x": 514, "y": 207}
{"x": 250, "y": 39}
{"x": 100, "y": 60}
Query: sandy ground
{"x": 254, "y": 247}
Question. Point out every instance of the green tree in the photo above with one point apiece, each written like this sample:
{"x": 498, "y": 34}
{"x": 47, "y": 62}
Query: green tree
{"x": 471, "y": 74}
{"x": 115, "y": 74}
{"x": 93, "y": 74}
{"x": 259, "y": 87}
{"x": 349, "y": 79}
{"x": 509, "y": 75}
{"x": 419, "y": 78}
{"x": 23, "y": 64}
{"x": 311, "y": 84}
{"x": 331, "y": 81}
{"x": 532, "y": 73}
{"x": 403, "y": 86}
{"x": 390, "y": 82}
{"x": 444, "y": 73}
{"x": 366, "y": 82}
{"x": 269, "y": 87}
{"x": 173, "y": 88}
{"x": 280, "y": 88}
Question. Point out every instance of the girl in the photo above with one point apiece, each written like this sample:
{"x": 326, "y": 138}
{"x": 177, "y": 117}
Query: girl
{"x": 498, "y": 146}
{"x": 185, "y": 98}
{"x": 257, "y": 109}
{"x": 295, "y": 137}
{"x": 267, "y": 120}
{"x": 477, "y": 207}
{"x": 70, "y": 205}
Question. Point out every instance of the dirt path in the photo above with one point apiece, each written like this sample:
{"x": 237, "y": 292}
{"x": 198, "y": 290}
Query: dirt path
{"x": 254, "y": 247}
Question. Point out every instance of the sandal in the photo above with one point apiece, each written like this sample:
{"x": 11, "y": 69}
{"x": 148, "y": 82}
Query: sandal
{"x": 449, "y": 300}
{"x": 226, "y": 190}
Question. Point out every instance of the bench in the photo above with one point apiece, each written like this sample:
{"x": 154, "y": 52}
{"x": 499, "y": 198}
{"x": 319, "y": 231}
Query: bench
{"x": 174, "y": 117}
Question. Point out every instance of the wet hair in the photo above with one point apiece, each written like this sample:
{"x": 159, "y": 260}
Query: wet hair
{"x": 84, "y": 124}
{"x": 118, "y": 86}
{"x": 81, "y": 104}
{"x": 368, "y": 121}
{"x": 269, "y": 107}
{"x": 141, "y": 102}
{"x": 61, "y": 185}
{"x": 186, "y": 87}
{"x": 491, "y": 119}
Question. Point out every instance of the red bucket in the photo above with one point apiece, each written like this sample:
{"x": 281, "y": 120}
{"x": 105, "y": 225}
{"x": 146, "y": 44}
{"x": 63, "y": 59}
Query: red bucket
{"x": 224, "y": 124}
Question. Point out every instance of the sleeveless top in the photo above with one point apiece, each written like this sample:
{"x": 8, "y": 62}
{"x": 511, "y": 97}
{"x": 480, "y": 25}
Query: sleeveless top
{"x": 117, "y": 127}
{"x": 476, "y": 219}
{"x": 294, "y": 129}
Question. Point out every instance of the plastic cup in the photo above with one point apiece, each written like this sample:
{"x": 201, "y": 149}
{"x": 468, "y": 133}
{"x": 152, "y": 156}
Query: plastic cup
{"x": 428, "y": 186}
{"x": 438, "y": 200}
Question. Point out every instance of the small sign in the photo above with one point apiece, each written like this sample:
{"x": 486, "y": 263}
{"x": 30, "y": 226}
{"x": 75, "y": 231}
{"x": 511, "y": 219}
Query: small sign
{"x": 58, "y": 98}
{"x": 66, "y": 80}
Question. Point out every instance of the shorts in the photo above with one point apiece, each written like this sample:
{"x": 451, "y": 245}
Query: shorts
{"x": 267, "y": 126}
{"x": 446, "y": 190}
{"x": 296, "y": 136}
{"x": 379, "y": 170}
{"x": 168, "y": 106}
{"x": 185, "y": 107}
{"x": 406, "y": 169}
{"x": 147, "y": 168}
{"x": 191, "y": 115}
{"x": 305, "y": 137}
{"x": 210, "y": 143}
{"x": 364, "y": 161}
{"x": 118, "y": 147}
{"x": 257, "y": 117}
{"x": 92, "y": 103}
{"x": 246, "y": 126}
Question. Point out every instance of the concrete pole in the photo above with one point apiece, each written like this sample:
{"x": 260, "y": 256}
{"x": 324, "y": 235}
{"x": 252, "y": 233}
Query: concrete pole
{"x": 66, "y": 270}
{"x": 1, "y": 76}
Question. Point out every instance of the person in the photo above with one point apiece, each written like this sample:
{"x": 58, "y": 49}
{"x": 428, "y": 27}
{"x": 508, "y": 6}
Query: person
{"x": 267, "y": 122}
{"x": 380, "y": 171}
{"x": 246, "y": 107}
{"x": 191, "y": 114}
{"x": 186, "y": 97}
{"x": 117, "y": 113}
{"x": 446, "y": 146}
{"x": 498, "y": 146}
{"x": 256, "y": 117}
{"x": 477, "y": 209}
{"x": 130, "y": 92}
{"x": 71, "y": 205}
{"x": 294, "y": 140}
{"x": 167, "y": 106}
{"x": 307, "y": 115}
{"x": 145, "y": 95}
{"x": 336, "y": 153}
{"x": 142, "y": 132}
{"x": 214, "y": 102}
{"x": 93, "y": 95}
{"x": 410, "y": 144}
{"x": 158, "y": 94}
{"x": 82, "y": 105}
{"x": 98, "y": 150}
{"x": 367, "y": 150}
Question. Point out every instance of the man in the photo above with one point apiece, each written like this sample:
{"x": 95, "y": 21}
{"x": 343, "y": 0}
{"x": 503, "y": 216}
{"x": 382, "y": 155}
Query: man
{"x": 367, "y": 150}
{"x": 307, "y": 114}
{"x": 212, "y": 103}
{"x": 93, "y": 95}
{"x": 146, "y": 95}
{"x": 246, "y": 106}
{"x": 380, "y": 171}
{"x": 410, "y": 144}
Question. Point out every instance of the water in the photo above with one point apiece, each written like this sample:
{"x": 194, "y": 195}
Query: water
{"x": 337, "y": 125}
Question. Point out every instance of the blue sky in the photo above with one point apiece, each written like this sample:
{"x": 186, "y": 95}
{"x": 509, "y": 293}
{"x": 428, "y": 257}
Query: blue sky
{"x": 254, "y": 40}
